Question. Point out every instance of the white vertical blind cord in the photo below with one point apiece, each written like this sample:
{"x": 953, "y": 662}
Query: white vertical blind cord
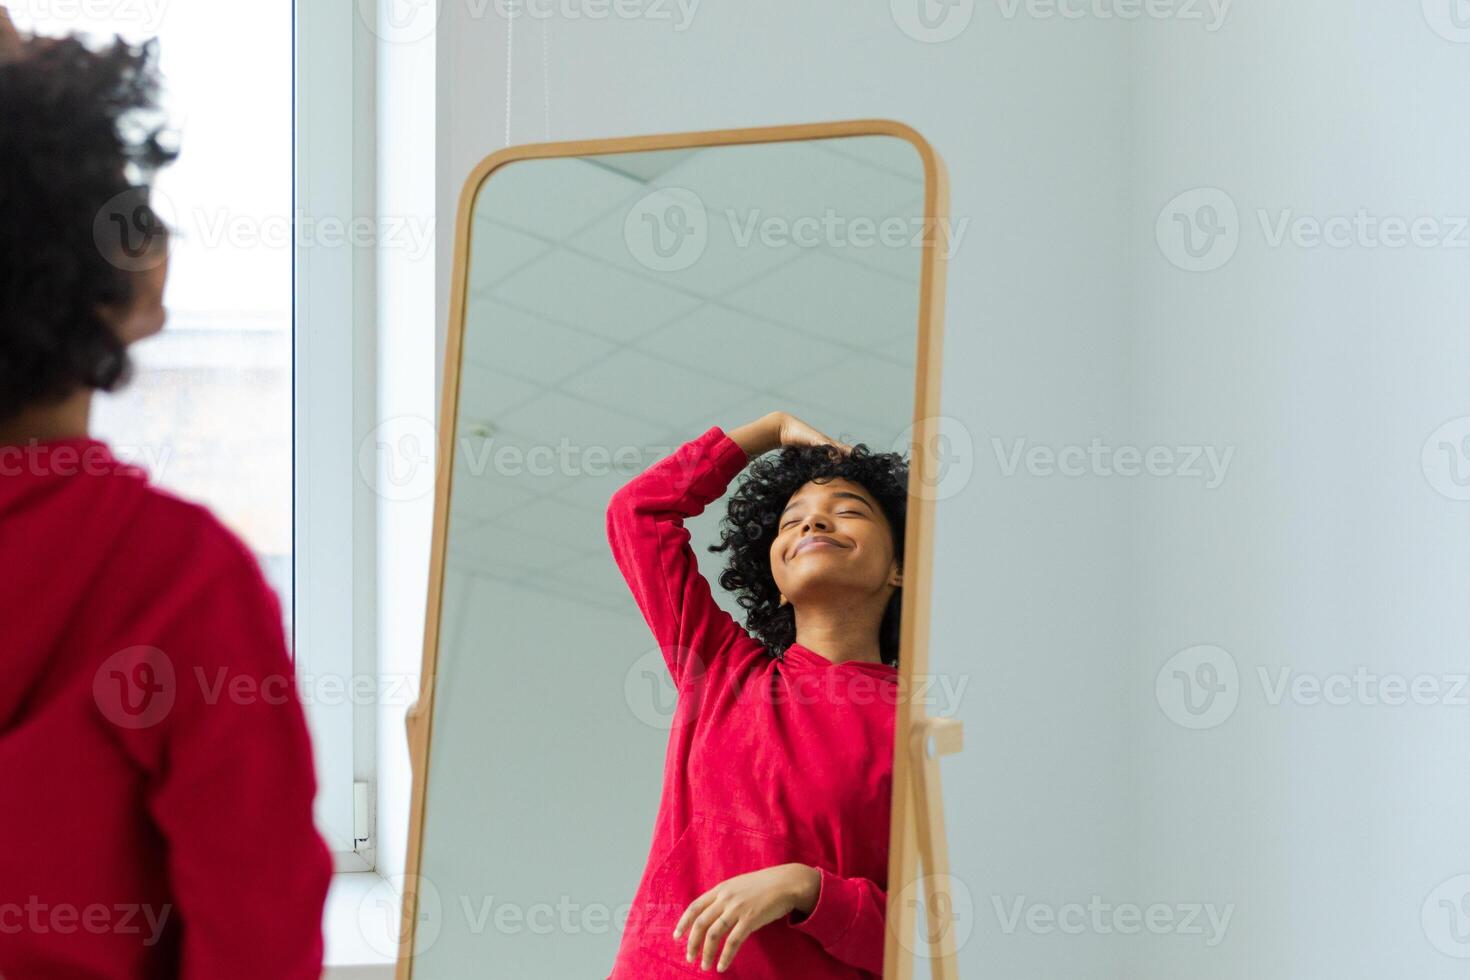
{"x": 546, "y": 73}
{"x": 513, "y": 9}
{"x": 510, "y": 29}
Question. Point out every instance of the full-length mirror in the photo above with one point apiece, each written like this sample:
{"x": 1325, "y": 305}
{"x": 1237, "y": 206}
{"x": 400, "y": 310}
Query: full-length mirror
{"x": 681, "y": 559}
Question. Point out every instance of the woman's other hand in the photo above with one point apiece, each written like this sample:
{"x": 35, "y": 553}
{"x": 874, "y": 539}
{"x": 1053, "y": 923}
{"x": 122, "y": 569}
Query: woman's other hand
{"x": 795, "y": 432}
{"x": 776, "y": 429}
{"x": 10, "y": 39}
{"x": 738, "y": 906}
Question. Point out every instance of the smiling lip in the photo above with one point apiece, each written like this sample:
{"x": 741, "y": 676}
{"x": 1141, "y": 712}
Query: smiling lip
{"x": 816, "y": 541}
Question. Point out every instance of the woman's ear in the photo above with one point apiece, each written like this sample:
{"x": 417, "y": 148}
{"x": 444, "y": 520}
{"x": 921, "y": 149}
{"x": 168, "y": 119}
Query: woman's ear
{"x": 783, "y": 600}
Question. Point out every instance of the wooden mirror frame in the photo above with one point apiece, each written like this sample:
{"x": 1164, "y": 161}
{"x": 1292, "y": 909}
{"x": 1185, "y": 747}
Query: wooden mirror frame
{"x": 916, "y": 798}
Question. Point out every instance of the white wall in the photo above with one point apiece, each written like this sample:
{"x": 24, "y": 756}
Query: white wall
{"x": 1326, "y": 549}
{"x": 1320, "y": 830}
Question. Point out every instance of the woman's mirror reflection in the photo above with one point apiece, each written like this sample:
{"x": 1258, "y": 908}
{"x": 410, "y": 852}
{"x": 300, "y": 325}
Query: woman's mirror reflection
{"x": 772, "y": 830}
{"x": 668, "y": 634}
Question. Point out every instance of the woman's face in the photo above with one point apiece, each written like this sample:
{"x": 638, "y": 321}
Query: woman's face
{"x": 833, "y": 539}
{"x": 145, "y": 315}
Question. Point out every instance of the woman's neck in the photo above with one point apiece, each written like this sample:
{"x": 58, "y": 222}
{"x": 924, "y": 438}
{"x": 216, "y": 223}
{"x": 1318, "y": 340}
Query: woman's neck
{"x": 840, "y": 635}
{"x": 65, "y": 419}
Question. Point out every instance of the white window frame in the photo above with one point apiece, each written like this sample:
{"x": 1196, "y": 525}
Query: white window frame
{"x": 334, "y": 388}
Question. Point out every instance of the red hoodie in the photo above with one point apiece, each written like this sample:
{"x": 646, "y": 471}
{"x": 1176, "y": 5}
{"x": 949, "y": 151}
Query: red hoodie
{"x": 769, "y": 761}
{"x": 155, "y": 769}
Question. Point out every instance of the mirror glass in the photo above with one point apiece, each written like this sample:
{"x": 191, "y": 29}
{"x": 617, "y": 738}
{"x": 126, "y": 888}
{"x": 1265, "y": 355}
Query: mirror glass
{"x": 617, "y": 307}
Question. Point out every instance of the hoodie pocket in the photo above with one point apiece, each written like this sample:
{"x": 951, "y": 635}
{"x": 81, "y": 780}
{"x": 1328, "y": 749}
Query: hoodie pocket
{"x": 708, "y": 851}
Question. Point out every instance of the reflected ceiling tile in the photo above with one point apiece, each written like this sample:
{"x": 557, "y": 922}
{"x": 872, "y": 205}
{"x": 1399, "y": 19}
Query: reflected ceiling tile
{"x": 569, "y": 288}
{"x": 594, "y": 488}
{"x": 572, "y": 598}
{"x": 872, "y": 389}
{"x": 901, "y": 348}
{"x": 496, "y": 250}
{"x": 496, "y": 547}
{"x": 732, "y": 254}
{"x": 834, "y": 299}
{"x": 787, "y": 181}
{"x": 897, "y": 156}
{"x": 551, "y": 198}
{"x": 478, "y": 492}
{"x": 526, "y": 345}
{"x": 893, "y": 245}
{"x": 485, "y": 393}
{"x": 739, "y": 347}
{"x": 577, "y": 527}
{"x": 644, "y": 165}
{"x": 653, "y": 389}
{"x": 551, "y": 417}
{"x": 552, "y": 442}
{"x": 595, "y": 574}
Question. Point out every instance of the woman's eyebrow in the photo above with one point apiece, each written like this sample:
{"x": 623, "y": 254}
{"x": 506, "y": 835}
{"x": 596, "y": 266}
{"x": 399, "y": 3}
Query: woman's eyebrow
{"x": 855, "y": 496}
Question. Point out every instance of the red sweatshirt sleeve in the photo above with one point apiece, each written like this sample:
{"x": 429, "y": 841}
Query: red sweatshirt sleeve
{"x": 645, "y": 527}
{"x": 231, "y": 783}
{"x": 848, "y": 920}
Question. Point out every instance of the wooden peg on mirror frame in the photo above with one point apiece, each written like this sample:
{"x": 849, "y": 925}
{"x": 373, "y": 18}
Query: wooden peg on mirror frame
{"x": 948, "y": 736}
{"x": 413, "y": 723}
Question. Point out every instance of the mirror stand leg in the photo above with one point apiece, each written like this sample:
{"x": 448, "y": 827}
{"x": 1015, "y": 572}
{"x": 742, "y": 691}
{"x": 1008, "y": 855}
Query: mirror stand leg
{"x": 939, "y": 915}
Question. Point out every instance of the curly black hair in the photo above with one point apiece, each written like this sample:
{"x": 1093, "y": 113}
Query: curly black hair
{"x": 752, "y": 520}
{"x": 79, "y": 145}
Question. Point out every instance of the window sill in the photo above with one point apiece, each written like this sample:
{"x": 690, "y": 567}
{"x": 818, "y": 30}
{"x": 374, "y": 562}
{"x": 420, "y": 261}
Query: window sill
{"x": 360, "y": 927}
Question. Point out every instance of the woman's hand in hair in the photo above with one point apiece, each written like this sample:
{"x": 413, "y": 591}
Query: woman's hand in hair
{"x": 720, "y": 920}
{"x": 10, "y": 39}
{"x": 795, "y": 432}
{"x": 776, "y": 429}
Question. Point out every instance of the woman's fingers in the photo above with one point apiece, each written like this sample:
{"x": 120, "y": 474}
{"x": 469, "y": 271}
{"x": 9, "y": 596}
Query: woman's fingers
{"x": 733, "y": 943}
{"x": 709, "y": 921}
{"x": 692, "y": 912}
{"x": 714, "y": 934}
